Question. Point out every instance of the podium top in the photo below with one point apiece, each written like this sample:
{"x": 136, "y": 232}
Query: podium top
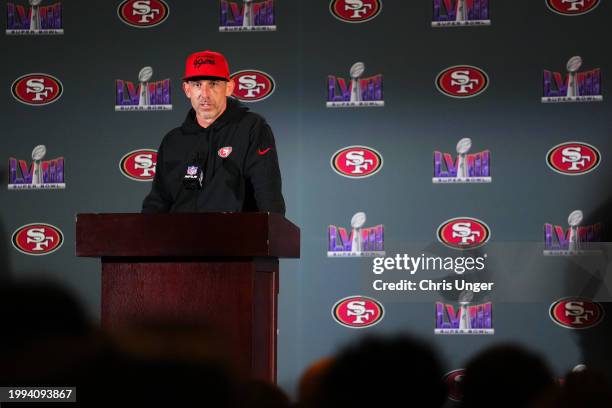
{"x": 187, "y": 235}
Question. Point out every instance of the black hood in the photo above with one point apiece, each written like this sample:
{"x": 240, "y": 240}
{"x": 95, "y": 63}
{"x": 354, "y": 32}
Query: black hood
{"x": 233, "y": 113}
{"x": 245, "y": 176}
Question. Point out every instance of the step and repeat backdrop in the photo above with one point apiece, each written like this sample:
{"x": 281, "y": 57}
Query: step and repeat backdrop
{"x": 446, "y": 160}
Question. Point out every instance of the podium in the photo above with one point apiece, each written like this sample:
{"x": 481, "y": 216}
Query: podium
{"x": 219, "y": 269}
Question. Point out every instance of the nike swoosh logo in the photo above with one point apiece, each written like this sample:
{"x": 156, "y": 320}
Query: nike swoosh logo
{"x": 262, "y": 152}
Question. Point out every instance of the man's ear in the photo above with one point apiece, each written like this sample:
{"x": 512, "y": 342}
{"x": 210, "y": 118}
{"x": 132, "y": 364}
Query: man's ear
{"x": 229, "y": 90}
{"x": 187, "y": 89}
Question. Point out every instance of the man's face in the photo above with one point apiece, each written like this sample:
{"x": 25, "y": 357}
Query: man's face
{"x": 208, "y": 96}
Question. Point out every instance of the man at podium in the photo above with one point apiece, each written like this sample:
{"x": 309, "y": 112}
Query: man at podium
{"x": 223, "y": 157}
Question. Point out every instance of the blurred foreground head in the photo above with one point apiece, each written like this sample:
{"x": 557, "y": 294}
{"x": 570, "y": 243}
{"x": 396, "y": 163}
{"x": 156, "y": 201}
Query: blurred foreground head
{"x": 506, "y": 376}
{"x": 34, "y": 311}
{"x": 383, "y": 372}
{"x": 49, "y": 341}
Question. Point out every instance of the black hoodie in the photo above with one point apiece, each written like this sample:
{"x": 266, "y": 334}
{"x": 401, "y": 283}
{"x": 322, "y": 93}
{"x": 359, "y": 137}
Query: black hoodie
{"x": 246, "y": 179}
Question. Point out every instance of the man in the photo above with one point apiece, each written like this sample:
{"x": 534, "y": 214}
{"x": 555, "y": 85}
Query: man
{"x": 223, "y": 157}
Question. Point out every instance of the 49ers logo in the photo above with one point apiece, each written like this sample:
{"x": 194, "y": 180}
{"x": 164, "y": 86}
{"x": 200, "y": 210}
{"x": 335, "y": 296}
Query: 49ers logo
{"x": 358, "y": 312}
{"x": 143, "y": 13}
{"x": 463, "y": 233}
{"x": 37, "y": 239}
{"x": 139, "y": 165}
{"x": 454, "y": 384}
{"x": 572, "y": 7}
{"x": 224, "y": 151}
{"x": 252, "y": 85}
{"x": 573, "y": 158}
{"x": 576, "y": 313}
{"x": 462, "y": 81}
{"x": 37, "y": 89}
{"x": 355, "y": 11}
{"x": 356, "y": 162}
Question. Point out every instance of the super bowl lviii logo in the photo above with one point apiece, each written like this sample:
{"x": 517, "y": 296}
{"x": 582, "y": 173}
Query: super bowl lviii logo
{"x": 576, "y": 240}
{"x": 251, "y": 85}
{"x": 39, "y": 174}
{"x": 362, "y": 242}
{"x": 37, "y": 239}
{"x": 358, "y": 312}
{"x": 571, "y": 7}
{"x": 139, "y": 165}
{"x": 356, "y": 162}
{"x": 34, "y": 19}
{"x": 466, "y": 168}
{"x": 358, "y": 92}
{"x": 247, "y": 15}
{"x": 576, "y": 313}
{"x": 467, "y": 319}
{"x": 143, "y": 13}
{"x": 462, "y": 81}
{"x": 37, "y": 89}
{"x": 463, "y": 233}
{"x": 453, "y": 13}
{"x": 573, "y": 158}
{"x": 575, "y": 86}
{"x": 355, "y": 11}
{"x": 147, "y": 96}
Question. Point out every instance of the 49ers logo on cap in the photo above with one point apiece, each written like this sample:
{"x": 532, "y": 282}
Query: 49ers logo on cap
{"x": 462, "y": 81}
{"x": 463, "y": 233}
{"x": 572, "y": 7}
{"x": 358, "y": 312}
{"x": 252, "y": 85}
{"x": 573, "y": 158}
{"x": 37, "y": 239}
{"x": 355, "y": 11}
{"x": 576, "y": 313}
{"x": 357, "y": 161}
{"x": 224, "y": 151}
{"x": 454, "y": 384}
{"x": 139, "y": 165}
{"x": 143, "y": 13}
{"x": 37, "y": 89}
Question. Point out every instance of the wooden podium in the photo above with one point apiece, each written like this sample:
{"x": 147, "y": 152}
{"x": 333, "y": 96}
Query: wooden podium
{"x": 215, "y": 268}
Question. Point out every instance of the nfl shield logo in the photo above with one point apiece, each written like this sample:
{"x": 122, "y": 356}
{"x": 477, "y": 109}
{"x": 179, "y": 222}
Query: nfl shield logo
{"x": 225, "y": 151}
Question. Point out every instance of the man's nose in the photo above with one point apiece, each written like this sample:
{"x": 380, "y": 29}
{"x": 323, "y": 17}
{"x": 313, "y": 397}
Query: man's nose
{"x": 205, "y": 90}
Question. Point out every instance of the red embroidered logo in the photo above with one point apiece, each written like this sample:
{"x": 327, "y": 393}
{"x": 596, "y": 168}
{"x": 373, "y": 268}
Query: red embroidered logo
{"x": 262, "y": 152}
{"x": 225, "y": 151}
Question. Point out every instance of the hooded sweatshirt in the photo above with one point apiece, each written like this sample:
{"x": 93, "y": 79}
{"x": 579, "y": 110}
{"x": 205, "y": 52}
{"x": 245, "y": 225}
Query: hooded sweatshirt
{"x": 238, "y": 157}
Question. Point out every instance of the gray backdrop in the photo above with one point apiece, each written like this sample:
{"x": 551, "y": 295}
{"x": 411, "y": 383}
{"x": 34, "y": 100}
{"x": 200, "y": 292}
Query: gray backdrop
{"x": 309, "y": 44}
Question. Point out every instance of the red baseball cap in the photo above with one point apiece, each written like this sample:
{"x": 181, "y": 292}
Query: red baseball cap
{"x": 206, "y": 64}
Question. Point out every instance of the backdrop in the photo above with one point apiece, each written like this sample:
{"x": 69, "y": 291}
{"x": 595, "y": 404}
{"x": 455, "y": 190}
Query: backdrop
{"x": 350, "y": 138}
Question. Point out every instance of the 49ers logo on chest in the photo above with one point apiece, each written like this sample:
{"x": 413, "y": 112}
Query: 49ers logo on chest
{"x": 355, "y": 11}
{"x": 463, "y": 233}
{"x": 224, "y": 151}
{"x": 37, "y": 89}
{"x": 139, "y": 165}
{"x": 573, "y": 158}
{"x": 357, "y": 162}
{"x": 252, "y": 86}
{"x": 576, "y": 313}
{"x": 37, "y": 239}
{"x": 358, "y": 312}
{"x": 143, "y": 13}
{"x": 462, "y": 81}
{"x": 572, "y": 7}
